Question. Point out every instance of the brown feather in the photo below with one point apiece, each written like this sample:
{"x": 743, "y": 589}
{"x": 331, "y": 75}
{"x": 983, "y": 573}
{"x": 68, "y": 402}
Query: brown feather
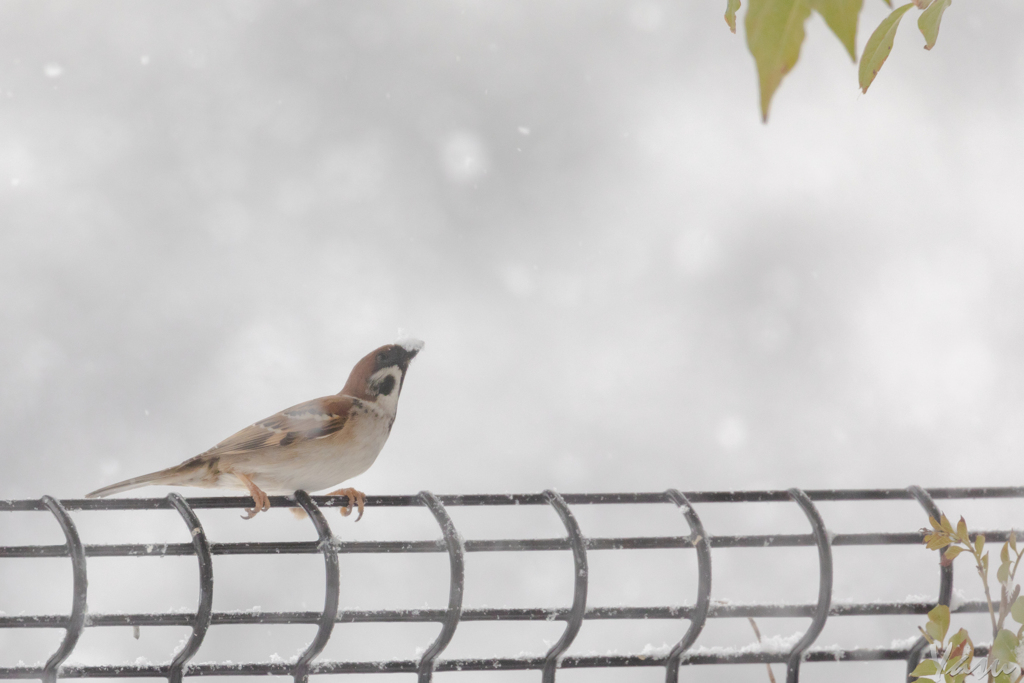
{"x": 303, "y": 422}
{"x": 358, "y": 383}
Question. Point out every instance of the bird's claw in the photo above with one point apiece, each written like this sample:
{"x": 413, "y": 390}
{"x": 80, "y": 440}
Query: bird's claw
{"x": 260, "y": 500}
{"x": 354, "y": 496}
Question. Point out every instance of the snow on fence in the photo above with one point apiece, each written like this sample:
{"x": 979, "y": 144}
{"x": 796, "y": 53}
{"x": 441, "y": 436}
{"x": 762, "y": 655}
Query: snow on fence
{"x": 791, "y": 653}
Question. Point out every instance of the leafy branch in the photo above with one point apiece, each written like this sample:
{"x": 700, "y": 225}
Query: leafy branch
{"x": 956, "y": 662}
{"x": 775, "y": 34}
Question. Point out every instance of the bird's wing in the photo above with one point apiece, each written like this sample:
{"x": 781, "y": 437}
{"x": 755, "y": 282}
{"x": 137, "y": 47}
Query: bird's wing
{"x": 304, "y": 422}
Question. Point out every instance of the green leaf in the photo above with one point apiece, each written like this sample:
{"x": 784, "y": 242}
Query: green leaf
{"x": 730, "y": 14}
{"x": 1004, "y": 647}
{"x": 958, "y": 638}
{"x": 1017, "y": 610}
{"x": 940, "y": 615}
{"x": 775, "y": 32}
{"x": 927, "y": 667}
{"x": 1003, "y": 573}
{"x": 979, "y": 543}
{"x": 929, "y": 21}
{"x": 876, "y": 51}
{"x": 933, "y": 630}
{"x": 841, "y": 16}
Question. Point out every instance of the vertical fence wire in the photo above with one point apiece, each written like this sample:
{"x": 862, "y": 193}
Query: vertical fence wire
{"x": 945, "y": 578}
{"x": 456, "y": 585}
{"x": 579, "y": 596}
{"x": 204, "y": 612}
{"x": 325, "y": 625}
{"x": 824, "y": 544}
{"x": 699, "y": 615}
{"x": 80, "y": 586}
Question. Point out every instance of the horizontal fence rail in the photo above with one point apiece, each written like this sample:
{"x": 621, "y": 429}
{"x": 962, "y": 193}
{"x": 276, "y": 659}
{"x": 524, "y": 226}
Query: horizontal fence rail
{"x": 452, "y": 543}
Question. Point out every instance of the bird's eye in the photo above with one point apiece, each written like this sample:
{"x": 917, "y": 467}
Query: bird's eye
{"x": 386, "y": 386}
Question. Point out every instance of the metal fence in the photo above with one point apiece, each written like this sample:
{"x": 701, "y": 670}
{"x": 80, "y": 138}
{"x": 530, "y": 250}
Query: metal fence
{"x": 455, "y": 546}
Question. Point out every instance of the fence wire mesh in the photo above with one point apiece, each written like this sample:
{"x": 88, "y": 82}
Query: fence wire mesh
{"x": 683, "y": 653}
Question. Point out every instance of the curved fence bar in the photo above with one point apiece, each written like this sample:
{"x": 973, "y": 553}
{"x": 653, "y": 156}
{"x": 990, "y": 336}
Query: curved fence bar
{"x": 824, "y": 585}
{"x": 456, "y": 586}
{"x": 698, "y": 616}
{"x": 76, "y": 622}
{"x": 579, "y": 596}
{"x": 331, "y": 592}
{"x": 205, "y": 612}
{"x": 945, "y": 578}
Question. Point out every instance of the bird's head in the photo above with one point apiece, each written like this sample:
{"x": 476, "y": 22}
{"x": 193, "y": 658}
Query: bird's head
{"x": 379, "y": 375}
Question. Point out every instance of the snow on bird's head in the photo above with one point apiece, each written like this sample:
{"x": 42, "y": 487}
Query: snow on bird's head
{"x": 410, "y": 344}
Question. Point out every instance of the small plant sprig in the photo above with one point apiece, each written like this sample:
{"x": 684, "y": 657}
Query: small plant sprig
{"x": 956, "y": 662}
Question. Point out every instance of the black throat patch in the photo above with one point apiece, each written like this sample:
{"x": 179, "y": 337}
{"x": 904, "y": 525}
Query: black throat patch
{"x": 386, "y": 386}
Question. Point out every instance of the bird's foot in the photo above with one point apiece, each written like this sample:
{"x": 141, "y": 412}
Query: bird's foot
{"x": 357, "y": 497}
{"x": 260, "y": 499}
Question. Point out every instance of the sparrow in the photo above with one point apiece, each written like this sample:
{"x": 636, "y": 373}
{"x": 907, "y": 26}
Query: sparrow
{"x": 311, "y": 446}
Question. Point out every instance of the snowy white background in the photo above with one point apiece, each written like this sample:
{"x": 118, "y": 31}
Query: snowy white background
{"x": 625, "y": 281}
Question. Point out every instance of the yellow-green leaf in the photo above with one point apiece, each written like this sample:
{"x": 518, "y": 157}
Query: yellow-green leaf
{"x": 1013, "y": 541}
{"x": 934, "y": 630}
{"x": 940, "y": 616}
{"x": 953, "y": 552}
{"x": 928, "y": 667}
{"x": 944, "y": 521}
{"x": 935, "y": 524}
{"x": 888, "y": 3}
{"x": 1003, "y": 573}
{"x": 1004, "y": 554}
{"x": 841, "y": 16}
{"x": 775, "y": 32}
{"x": 929, "y": 21}
{"x": 961, "y": 531}
{"x": 1017, "y": 610}
{"x": 730, "y": 14}
{"x": 876, "y": 51}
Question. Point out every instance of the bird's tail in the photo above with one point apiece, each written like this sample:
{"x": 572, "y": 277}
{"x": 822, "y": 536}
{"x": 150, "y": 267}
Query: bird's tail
{"x": 169, "y": 476}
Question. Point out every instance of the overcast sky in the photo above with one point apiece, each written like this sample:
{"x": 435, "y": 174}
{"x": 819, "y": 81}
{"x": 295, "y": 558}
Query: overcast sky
{"x": 625, "y": 280}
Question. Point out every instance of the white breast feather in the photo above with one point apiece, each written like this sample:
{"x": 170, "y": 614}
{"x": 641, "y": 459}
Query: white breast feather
{"x": 324, "y": 463}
